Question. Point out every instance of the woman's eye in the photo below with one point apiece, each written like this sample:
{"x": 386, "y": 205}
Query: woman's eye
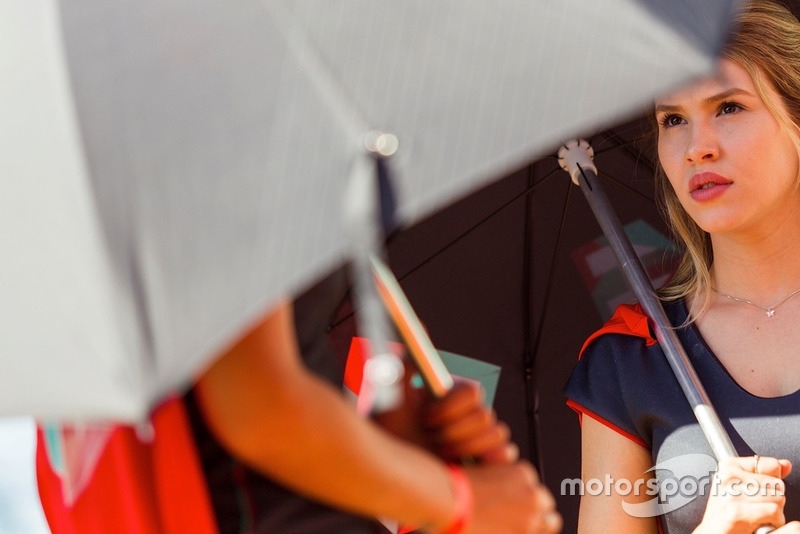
{"x": 668, "y": 121}
{"x": 729, "y": 108}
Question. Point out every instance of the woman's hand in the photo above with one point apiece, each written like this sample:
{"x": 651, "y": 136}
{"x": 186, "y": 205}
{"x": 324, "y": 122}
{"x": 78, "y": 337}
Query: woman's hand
{"x": 748, "y": 493}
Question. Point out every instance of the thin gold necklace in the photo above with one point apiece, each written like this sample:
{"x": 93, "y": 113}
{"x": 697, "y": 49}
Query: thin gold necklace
{"x": 770, "y": 310}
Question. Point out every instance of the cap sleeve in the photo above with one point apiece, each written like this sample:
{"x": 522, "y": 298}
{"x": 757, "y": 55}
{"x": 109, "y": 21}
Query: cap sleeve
{"x": 608, "y": 385}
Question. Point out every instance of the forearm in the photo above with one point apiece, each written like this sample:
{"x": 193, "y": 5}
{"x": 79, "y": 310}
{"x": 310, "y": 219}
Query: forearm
{"x": 334, "y": 456}
{"x": 266, "y": 408}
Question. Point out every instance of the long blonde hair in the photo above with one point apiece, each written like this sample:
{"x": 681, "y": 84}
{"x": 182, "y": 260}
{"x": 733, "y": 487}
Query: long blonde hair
{"x": 766, "y": 43}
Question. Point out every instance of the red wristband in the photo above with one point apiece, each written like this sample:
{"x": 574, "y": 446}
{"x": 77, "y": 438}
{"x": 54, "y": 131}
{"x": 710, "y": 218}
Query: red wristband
{"x": 463, "y": 493}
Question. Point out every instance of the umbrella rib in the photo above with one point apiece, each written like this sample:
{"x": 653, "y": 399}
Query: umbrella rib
{"x": 314, "y": 66}
{"x": 617, "y": 139}
{"x": 528, "y": 354}
{"x": 625, "y": 186}
{"x": 528, "y": 190}
{"x": 622, "y": 147}
{"x": 625, "y": 146}
{"x": 530, "y": 364}
{"x": 466, "y": 232}
{"x": 546, "y": 176}
{"x": 635, "y": 155}
{"x": 551, "y": 275}
{"x": 448, "y": 245}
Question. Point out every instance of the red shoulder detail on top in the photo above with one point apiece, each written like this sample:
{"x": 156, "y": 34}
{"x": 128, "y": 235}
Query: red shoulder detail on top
{"x": 136, "y": 487}
{"x": 628, "y": 319}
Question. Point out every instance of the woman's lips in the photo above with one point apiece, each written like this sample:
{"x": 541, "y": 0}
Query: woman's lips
{"x": 707, "y": 186}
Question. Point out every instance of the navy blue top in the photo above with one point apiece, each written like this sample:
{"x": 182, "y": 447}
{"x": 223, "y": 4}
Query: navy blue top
{"x": 632, "y": 388}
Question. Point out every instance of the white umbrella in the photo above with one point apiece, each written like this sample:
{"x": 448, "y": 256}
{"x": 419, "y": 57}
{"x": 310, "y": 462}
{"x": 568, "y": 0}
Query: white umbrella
{"x": 169, "y": 169}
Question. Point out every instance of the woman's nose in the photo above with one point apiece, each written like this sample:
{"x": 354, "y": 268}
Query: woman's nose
{"x": 703, "y": 144}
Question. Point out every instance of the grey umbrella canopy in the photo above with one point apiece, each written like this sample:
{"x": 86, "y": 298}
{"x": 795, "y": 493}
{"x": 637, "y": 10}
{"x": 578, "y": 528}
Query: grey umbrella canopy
{"x": 171, "y": 169}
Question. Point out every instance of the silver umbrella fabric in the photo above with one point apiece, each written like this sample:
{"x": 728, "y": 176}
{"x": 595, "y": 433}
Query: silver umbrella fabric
{"x": 170, "y": 169}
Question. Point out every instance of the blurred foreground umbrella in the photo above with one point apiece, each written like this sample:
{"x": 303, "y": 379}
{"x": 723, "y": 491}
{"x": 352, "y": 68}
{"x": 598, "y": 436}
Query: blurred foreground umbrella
{"x": 170, "y": 169}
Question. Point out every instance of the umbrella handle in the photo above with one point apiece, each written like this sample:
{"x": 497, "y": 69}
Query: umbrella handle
{"x": 429, "y": 363}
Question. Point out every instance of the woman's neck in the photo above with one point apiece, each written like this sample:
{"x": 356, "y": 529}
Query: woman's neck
{"x": 762, "y": 263}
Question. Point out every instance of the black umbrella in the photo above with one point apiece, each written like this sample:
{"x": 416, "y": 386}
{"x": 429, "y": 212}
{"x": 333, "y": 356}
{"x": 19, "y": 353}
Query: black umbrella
{"x": 519, "y": 274}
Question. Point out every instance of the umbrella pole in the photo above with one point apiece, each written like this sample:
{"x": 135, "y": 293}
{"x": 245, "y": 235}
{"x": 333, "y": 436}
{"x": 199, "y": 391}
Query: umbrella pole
{"x": 383, "y": 371}
{"x": 576, "y": 158}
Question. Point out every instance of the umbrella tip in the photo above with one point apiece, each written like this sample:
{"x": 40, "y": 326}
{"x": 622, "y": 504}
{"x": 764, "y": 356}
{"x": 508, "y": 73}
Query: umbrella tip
{"x": 574, "y": 155}
{"x": 381, "y": 143}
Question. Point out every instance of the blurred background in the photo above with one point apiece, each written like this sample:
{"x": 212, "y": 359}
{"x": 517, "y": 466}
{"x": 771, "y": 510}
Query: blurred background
{"x": 20, "y": 512}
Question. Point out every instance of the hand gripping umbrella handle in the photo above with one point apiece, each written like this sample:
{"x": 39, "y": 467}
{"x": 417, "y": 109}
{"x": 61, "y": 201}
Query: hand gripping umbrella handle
{"x": 576, "y": 158}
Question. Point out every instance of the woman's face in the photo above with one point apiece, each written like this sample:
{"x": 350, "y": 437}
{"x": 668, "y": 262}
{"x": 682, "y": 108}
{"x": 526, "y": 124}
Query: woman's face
{"x": 730, "y": 163}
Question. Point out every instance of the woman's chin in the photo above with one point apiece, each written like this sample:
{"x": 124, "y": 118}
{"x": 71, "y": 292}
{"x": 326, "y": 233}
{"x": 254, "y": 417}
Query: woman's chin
{"x": 720, "y": 223}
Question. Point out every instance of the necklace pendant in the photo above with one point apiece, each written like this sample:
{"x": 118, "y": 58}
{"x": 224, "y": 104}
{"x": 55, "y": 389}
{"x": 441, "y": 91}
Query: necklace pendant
{"x": 770, "y": 312}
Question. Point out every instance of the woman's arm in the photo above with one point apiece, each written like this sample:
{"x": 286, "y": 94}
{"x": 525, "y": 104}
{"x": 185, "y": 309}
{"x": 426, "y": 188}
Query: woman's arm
{"x": 607, "y": 453}
{"x": 268, "y": 410}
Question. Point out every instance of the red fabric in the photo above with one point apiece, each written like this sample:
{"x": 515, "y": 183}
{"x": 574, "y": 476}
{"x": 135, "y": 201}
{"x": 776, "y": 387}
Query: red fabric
{"x": 137, "y": 488}
{"x": 354, "y": 368}
{"x": 629, "y": 319}
{"x": 360, "y": 350}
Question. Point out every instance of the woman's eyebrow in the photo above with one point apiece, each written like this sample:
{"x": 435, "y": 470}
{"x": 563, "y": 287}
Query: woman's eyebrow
{"x": 662, "y": 108}
{"x": 735, "y": 91}
{"x": 724, "y": 95}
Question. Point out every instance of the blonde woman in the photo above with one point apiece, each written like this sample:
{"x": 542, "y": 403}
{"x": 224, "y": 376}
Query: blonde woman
{"x": 729, "y": 153}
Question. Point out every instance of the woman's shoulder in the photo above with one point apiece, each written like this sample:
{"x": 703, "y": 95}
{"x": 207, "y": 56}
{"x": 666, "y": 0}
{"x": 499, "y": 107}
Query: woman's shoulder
{"x": 622, "y": 375}
{"x": 624, "y": 354}
{"x": 630, "y": 327}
